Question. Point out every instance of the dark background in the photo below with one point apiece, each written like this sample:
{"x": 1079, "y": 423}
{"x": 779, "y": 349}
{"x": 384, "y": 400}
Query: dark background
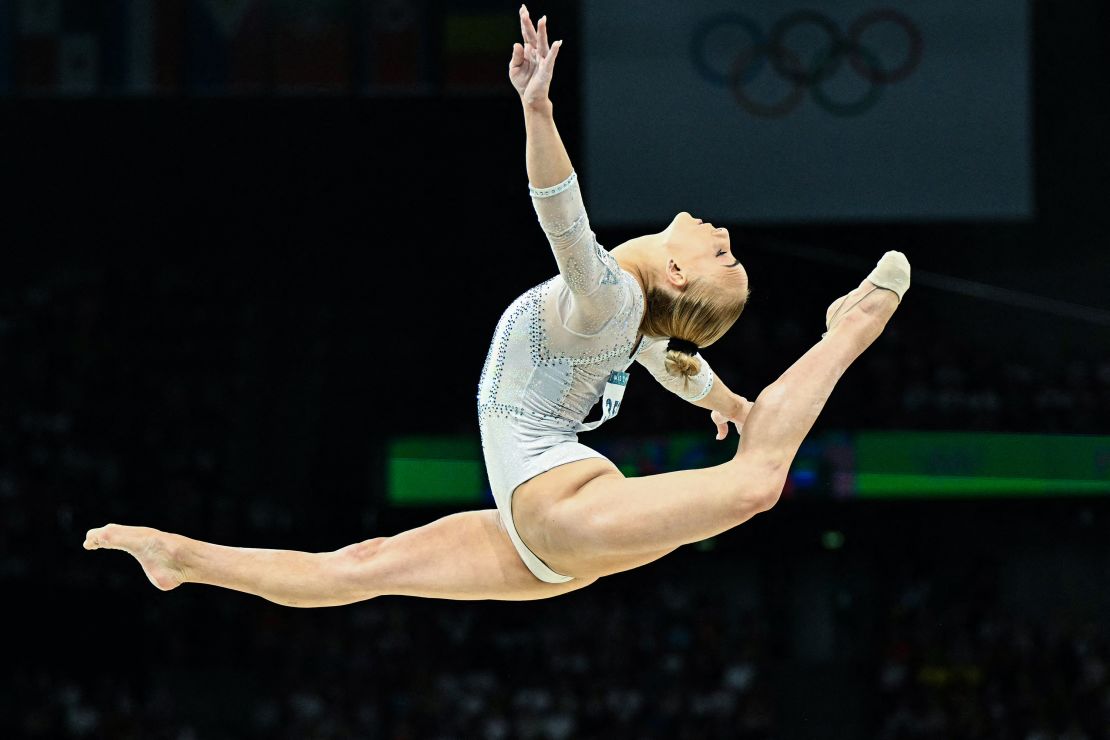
{"x": 215, "y": 311}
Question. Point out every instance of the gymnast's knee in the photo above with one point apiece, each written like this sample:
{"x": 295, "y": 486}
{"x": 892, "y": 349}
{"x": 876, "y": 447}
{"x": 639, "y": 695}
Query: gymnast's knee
{"x": 759, "y": 479}
{"x": 359, "y": 568}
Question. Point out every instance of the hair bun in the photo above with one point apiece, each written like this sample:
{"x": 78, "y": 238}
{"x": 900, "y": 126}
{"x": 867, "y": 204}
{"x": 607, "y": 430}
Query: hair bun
{"x": 681, "y": 364}
{"x": 681, "y": 345}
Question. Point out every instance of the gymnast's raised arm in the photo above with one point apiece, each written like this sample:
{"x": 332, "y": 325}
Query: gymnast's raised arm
{"x": 590, "y": 273}
{"x": 530, "y": 72}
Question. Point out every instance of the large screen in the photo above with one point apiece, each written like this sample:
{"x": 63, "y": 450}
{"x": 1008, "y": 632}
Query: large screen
{"x": 775, "y": 112}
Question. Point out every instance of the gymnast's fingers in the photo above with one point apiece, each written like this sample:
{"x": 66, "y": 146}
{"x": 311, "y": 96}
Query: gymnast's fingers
{"x": 549, "y": 60}
{"x": 526, "y": 28}
{"x": 544, "y": 47}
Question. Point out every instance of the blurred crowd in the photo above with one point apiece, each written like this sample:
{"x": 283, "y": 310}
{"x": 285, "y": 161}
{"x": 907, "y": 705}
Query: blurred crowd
{"x": 930, "y": 378}
{"x": 955, "y": 664}
{"x": 679, "y": 658}
{"x": 923, "y": 375}
{"x": 674, "y": 662}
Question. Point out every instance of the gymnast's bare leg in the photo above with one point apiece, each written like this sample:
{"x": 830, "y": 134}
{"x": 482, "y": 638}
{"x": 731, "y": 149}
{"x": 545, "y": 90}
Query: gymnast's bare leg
{"x": 587, "y": 520}
{"x": 584, "y": 519}
{"x": 463, "y": 556}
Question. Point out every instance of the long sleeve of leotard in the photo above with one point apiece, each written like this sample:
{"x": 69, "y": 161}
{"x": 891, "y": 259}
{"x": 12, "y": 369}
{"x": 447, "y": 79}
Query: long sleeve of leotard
{"x": 590, "y": 272}
{"x": 652, "y": 356}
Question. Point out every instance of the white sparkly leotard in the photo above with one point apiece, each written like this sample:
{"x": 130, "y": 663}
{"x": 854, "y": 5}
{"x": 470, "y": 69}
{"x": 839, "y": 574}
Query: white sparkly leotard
{"x": 557, "y": 349}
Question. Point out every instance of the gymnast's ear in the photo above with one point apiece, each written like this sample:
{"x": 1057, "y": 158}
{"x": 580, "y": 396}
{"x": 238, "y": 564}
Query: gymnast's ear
{"x": 675, "y": 275}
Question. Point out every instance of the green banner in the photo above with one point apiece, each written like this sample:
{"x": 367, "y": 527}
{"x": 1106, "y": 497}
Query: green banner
{"x": 449, "y": 470}
{"x": 927, "y": 464}
{"x": 435, "y": 470}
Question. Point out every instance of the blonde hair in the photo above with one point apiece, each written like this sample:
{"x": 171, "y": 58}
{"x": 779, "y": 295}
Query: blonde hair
{"x": 701, "y": 314}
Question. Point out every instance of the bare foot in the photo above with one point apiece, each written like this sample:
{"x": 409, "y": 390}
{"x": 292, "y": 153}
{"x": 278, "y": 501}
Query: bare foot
{"x": 878, "y": 296}
{"x": 156, "y": 551}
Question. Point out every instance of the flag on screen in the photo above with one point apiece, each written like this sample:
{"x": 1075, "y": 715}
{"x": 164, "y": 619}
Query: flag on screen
{"x": 397, "y": 46}
{"x": 476, "y": 49}
{"x": 144, "y": 46}
{"x": 312, "y": 46}
{"x": 7, "y": 51}
{"x": 227, "y": 46}
{"x": 38, "y": 27}
{"x": 58, "y": 46}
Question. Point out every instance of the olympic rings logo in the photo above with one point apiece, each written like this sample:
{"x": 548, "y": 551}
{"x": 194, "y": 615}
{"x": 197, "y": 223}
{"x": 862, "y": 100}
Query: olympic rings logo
{"x": 800, "y": 74}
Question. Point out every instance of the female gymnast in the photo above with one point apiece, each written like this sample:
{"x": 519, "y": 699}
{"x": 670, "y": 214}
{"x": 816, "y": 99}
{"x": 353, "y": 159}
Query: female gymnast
{"x": 565, "y": 515}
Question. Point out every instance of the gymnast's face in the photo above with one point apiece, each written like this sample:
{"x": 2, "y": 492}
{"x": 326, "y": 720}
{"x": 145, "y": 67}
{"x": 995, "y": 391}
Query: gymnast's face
{"x": 697, "y": 249}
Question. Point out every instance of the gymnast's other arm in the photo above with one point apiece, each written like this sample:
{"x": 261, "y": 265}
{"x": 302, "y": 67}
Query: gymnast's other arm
{"x": 704, "y": 389}
{"x": 726, "y": 407}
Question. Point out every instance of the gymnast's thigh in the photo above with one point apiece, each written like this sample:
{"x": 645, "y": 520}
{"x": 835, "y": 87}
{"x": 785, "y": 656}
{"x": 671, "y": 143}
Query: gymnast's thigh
{"x": 538, "y": 504}
{"x": 600, "y": 522}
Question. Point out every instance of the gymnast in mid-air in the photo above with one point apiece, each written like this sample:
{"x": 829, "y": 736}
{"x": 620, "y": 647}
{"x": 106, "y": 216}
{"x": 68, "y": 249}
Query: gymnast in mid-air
{"x": 565, "y": 514}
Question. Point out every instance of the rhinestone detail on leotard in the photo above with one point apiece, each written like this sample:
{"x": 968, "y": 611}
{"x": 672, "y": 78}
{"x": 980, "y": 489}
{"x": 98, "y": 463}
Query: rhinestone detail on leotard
{"x": 556, "y": 345}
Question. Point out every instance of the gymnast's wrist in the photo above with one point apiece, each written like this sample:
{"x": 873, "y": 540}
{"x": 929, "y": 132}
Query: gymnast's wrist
{"x": 542, "y": 107}
{"x": 735, "y": 406}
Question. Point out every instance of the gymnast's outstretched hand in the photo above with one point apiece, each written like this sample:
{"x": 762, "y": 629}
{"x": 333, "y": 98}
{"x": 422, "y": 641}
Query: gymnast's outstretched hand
{"x": 532, "y": 63}
{"x": 737, "y": 417}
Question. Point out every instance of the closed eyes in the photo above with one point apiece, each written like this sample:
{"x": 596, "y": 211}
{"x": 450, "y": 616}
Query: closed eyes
{"x": 722, "y": 252}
